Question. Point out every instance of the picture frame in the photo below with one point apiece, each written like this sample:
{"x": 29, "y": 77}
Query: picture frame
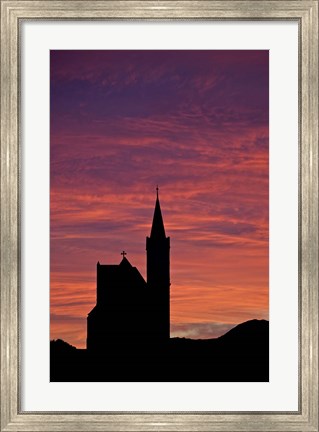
{"x": 12, "y": 14}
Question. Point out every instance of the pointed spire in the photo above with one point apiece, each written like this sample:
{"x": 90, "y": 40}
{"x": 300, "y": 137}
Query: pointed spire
{"x": 158, "y": 224}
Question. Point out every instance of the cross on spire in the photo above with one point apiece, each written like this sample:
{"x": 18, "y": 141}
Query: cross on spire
{"x": 123, "y": 253}
{"x": 157, "y": 191}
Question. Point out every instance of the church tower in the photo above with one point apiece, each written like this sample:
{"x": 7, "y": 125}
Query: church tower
{"x": 158, "y": 275}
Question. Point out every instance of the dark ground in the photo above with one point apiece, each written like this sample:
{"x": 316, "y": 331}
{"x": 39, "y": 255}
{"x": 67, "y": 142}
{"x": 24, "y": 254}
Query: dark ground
{"x": 242, "y": 354}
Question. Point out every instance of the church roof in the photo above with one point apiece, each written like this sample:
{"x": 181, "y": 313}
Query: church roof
{"x": 114, "y": 271}
{"x": 123, "y": 276}
{"x": 125, "y": 263}
{"x": 158, "y": 229}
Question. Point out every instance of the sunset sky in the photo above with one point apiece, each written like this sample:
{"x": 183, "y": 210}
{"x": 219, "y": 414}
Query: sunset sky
{"x": 196, "y": 124}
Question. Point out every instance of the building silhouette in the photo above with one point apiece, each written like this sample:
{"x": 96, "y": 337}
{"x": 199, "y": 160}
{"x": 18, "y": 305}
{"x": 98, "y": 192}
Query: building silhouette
{"x": 127, "y": 307}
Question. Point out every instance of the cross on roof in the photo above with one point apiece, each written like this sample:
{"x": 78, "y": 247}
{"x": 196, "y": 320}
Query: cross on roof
{"x": 123, "y": 253}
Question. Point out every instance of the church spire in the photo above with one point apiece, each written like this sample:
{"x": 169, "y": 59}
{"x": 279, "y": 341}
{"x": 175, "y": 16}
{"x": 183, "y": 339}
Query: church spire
{"x": 158, "y": 229}
{"x": 158, "y": 276}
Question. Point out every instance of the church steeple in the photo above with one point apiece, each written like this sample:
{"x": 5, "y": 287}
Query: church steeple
{"x": 158, "y": 229}
{"x": 158, "y": 275}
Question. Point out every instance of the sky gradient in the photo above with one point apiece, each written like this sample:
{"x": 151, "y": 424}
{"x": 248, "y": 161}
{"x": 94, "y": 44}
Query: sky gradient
{"x": 196, "y": 124}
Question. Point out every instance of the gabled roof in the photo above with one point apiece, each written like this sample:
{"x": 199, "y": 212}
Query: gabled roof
{"x": 116, "y": 275}
{"x": 125, "y": 263}
{"x": 114, "y": 270}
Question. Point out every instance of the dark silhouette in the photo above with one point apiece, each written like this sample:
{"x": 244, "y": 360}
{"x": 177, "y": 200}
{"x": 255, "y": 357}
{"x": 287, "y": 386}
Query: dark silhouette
{"x": 240, "y": 355}
{"x": 158, "y": 275}
{"x": 128, "y": 331}
{"x": 60, "y": 346}
{"x": 127, "y": 308}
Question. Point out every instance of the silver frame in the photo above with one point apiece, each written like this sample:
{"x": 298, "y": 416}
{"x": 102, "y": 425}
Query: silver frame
{"x": 306, "y": 13}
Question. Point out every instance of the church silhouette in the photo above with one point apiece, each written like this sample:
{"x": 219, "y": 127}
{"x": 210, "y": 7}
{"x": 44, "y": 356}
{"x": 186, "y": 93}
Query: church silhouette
{"x": 128, "y": 308}
{"x": 128, "y": 332}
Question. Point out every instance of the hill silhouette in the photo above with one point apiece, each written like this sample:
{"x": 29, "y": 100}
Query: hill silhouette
{"x": 60, "y": 346}
{"x": 242, "y": 354}
{"x": 249, "y": 330}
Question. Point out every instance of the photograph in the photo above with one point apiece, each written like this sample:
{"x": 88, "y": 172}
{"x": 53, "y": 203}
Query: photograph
{"x": 159, "y": 215}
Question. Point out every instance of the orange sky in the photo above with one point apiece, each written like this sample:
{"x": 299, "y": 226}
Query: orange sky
{"x": 194, "y": 122}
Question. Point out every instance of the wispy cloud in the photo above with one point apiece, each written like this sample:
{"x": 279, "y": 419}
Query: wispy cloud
{"x": 200, "y": 330}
